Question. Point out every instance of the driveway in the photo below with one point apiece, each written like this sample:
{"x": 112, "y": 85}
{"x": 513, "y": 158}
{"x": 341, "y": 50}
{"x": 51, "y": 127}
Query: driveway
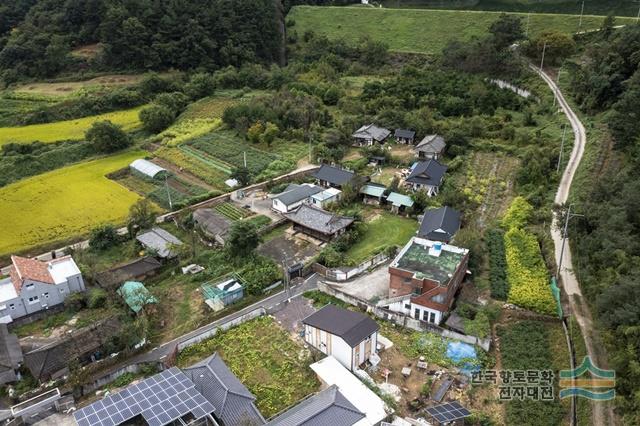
{"x": 289, "y": 249}
{"x": 372, "y": 287}
{"x": 291, "y": 314}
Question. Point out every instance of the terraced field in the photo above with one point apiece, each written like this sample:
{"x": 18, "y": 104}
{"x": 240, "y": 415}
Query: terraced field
{"x": 423, "y": 30}
{"x": 67, "y": 130}
{"x": 63, "y": 204}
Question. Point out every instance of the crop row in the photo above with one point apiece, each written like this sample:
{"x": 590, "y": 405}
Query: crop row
{"x": 206, "y": 158}
{"x": 192, "y": 164}
{"x": 232, "y": 212}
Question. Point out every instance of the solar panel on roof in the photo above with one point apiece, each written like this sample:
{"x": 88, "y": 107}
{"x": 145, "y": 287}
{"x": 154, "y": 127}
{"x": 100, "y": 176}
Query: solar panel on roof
{"x": 160, "y": 399}
{"x": 448, "y": 412}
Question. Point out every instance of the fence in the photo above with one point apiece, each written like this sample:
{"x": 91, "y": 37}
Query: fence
{"x": 344, "y": 275}
{"x": 402, "y": 319}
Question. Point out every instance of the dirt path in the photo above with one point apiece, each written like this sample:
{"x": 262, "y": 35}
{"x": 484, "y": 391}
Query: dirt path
{"x": 602, "y": 411}
{"x": 185, "y": 175}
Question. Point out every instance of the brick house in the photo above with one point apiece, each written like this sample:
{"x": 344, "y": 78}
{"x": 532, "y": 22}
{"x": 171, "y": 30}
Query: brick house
{"x": 424, "y": 278}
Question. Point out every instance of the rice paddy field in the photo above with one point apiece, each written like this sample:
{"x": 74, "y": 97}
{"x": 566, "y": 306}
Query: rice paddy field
{"x": 423, "y": 30}
{"x": 67, "y": 130}
{"x": 63, "y": 204}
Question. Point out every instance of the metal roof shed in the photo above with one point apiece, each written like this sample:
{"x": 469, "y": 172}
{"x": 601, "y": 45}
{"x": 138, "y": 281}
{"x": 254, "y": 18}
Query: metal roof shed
{"x": 148, "y": 169}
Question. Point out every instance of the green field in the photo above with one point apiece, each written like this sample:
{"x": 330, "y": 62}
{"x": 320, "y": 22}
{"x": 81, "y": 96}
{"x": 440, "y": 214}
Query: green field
{"x": 64, "y": 203}
{"x": 67, "y": 130}
{"x": 421, "y": 30}
{"x": 386, "y": 230}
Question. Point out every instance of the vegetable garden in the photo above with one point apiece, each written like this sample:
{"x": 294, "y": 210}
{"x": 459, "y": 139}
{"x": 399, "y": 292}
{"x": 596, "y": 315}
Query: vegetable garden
{"x": 264, "y": 358}
{"x": 232, "y": 212}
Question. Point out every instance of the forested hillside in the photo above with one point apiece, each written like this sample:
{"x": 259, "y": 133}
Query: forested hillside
{"x": 137, "y": 35}
{"x": 606, "y": 83}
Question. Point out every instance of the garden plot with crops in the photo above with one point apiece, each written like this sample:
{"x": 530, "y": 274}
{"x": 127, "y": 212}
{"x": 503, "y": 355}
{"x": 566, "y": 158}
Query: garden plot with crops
{"x": 179, "y": 190}
{"x": 232, "y": 212}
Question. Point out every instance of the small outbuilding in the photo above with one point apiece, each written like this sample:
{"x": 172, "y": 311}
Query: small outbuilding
{"x": 405, "y": 136}
{"x": 159, "y": 241}
{"x": 328, "y": 196}
{"x": 136, "y": 295}
{"x": 10, "y": 355}
{"x": 399, "y": 202}
{"x": 148, "y": 169}
{"x": 293, "y": 196}
{"x": 373, "y": 193}
{"x": 219, "y": 295}
{"x": 212, "y": 224}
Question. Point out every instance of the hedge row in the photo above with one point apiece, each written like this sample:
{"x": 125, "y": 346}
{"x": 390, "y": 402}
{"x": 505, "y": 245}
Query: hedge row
{"x": 497, "y": 264}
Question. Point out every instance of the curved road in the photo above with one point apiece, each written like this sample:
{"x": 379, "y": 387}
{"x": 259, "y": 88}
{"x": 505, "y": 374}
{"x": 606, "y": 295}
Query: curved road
{"x": 602, "y": 412}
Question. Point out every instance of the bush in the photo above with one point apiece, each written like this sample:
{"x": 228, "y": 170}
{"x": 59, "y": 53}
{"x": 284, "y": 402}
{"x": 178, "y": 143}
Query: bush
{"x": 97, "y": 298}
{"x": 103, "y": 237}
{"x": 518, "y": 214}
{"x": 75, "y": 302}
{"x": 107, "y": 137}
{"x": 497, "y": 264}
{"x": 260, "y": 273}
{"x": 155, "y": 118}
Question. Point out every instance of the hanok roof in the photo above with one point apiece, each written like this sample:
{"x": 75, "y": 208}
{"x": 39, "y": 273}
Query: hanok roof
{"x": 418, "y": 257}
{"x": 48, "y": 361}
{"x": 352, "y": 326}
{"x": 440, "y": 224}
{"x": 136, "y": 295}
{"x": 427, "y": 173}
{"x": 159, "y": 240}
{"x": 295, "y": 193}
{"x": 396, "y": 199}
{"x": 431, "y": 143}
{"x": 211, "y": 222}
{"x": 329, "y": 407}
{"x": 160, "y": 399}
{"x": 404, "y": 133}
{"x": 54, "y": 271}
{"x": 334, "y": 175}
{"x": 147, "y": 168}
{"x": 373, "y": 190}
{"x": 233, "y": 402}
{"x": 372, "y": 131}
{"x": 318, "y": 220}
{"x": 128, "y": 271}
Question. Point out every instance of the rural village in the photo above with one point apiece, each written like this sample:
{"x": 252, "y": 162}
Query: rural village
{"x": 278, "y": 215}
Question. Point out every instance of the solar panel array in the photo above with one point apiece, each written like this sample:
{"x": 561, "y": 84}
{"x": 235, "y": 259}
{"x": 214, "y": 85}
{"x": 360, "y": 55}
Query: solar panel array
{"x": 160, "y": 399}
{"x": 448, "y": 412}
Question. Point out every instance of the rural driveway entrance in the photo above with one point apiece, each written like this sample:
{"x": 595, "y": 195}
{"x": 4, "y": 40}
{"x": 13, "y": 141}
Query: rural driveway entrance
{"x": 369, "y": 286}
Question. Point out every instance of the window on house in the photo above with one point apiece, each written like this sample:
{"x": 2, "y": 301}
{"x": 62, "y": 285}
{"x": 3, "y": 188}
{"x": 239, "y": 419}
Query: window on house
{"x": 29, "y": 286}
{"x": 416, "y": 313}
{"x": 33, "y": 299}
{"x": 12, "y": 306}
{"x": 406, "y": 280}
{"x": 407, "y": 306}
{"x": 425, "y": 314}
{"x": 432, "y": 318}
{"x": 46, "y": 295}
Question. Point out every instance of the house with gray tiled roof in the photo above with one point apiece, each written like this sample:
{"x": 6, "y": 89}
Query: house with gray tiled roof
{"x": 234, "y": 404}
{"x": 329, "y": 407}
{"x": 440, "y": 224}
{"x": 10, "y": 355}
{"x": 333, "y": 177}
{"x": 427, "y": 175}
{"x": 430, "y": 147}
{"x": 318, "y": 223}
{"x": 293, "y": 196}
{"x": 369, "y": 134}
{"x": 404, "y": 136}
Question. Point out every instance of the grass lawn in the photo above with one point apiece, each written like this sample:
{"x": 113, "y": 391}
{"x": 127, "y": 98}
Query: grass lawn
{"x": 64, "y": 203}
{"x": 265, "y": 359}
{"x": 69, "y": 88}
{"x": 385, "y": 230}
{"x": 67, "y": 130}
{"x": 422, "y": 30}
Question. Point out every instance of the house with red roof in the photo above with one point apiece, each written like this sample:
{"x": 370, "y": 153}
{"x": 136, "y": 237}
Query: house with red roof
{"x": 34, "y": 285}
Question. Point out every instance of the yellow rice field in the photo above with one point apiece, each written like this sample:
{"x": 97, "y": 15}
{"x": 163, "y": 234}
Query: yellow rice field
{"x": 63, "y": 204}
{"x": 67, "y": 130}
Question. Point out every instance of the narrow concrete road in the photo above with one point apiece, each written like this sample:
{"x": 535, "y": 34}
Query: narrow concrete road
{"x": 602, "y": 411}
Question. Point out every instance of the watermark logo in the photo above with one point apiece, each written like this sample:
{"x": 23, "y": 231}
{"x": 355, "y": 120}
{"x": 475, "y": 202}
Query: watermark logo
{"x": 598, "y": 387}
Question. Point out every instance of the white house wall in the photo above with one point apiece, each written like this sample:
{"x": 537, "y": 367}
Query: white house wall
{"x": 335, "y": 346}
{"x": 402, "y": 308}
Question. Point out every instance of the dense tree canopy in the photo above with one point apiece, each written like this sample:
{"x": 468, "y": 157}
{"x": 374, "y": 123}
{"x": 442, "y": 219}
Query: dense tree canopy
{"x": 140, "y": 34}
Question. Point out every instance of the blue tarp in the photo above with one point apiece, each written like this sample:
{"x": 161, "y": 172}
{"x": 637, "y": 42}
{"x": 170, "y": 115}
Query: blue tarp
{"x": 464, "y": 356}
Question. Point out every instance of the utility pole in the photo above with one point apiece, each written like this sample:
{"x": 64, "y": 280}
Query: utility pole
{"x": 581, "y": 13}
{"x": 244, "y": 153}
{"x": 526, "y": 32}
{"x": 166, "y": 185}
{"x": 555, "y": 91}
{"x": 544, "y": 49}
{"x": 564, "y": 132}
{"x": 565, "y": 230}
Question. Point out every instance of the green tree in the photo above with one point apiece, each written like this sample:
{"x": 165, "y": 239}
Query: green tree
{"x": 155, "y": 118}
{"x": 269, "y": 134}
{"x": 242, "y": 241}
{"x": 103, "y": 237}
{"x": 141, "y": 216}
{"x": 106, "y": 137}
{"x": 242, "y": 175}
{"x": 255, "y": 132}
{"x": 175, "y": 101}
{"x": 200, "y": 85}
{"x": 558, "y": 46}
{"x": 506, "y": 31}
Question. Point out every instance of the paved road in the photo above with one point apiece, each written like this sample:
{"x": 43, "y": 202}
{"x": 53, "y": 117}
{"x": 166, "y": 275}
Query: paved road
{"x": 602, "y": 412}
{"x": 271, "y": 304}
